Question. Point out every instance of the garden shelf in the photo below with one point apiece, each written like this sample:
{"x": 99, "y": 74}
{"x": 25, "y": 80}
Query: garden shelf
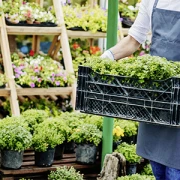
{"x": 25, "y": 30}
{"x": 5, "y": 92}
{"x": 30, "y": 171}
{"x": 157, "y": 102}
{"x": 60, "y": 41}
{"x": 44, "y": 91}
{"x": 88, "y": 34}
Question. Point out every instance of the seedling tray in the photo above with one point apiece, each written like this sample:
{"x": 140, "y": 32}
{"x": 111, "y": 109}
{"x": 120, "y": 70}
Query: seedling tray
{"x": 154, "y": 102}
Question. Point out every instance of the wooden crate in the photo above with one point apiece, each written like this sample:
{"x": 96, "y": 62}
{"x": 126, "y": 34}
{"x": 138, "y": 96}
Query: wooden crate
{"x": 32, "y": 172}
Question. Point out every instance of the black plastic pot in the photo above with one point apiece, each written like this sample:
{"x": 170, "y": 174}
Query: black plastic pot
{"x": 69, "y": 147}
{"x": 59, "y": 151}
{"x": 86, "y": 153}
{"x": 11, "y": 159}
{"x": 131, "y": 168}
{"x": 44, "y": 159}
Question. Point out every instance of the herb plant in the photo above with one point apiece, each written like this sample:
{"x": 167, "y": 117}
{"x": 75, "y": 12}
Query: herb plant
{"x": 87, "y": 134}
{"x": 65, "y": 173}
{"x": 14, "y": 137}
{"x": 129, "y": 152}
{"x": 136, "y": 177}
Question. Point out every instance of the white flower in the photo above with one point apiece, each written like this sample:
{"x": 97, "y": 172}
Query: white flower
{"x": 131, "y": 8}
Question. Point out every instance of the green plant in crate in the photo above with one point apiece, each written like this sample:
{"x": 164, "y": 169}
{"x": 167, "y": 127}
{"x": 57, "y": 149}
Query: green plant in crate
{"x": 136, "y": 177}
{"x": 34, "y": 117}
{"x": 65, "y": 173}
{"x": 86, "y": 134}
{"x": 129, "y": 152}
{"x": 46, "y": 135}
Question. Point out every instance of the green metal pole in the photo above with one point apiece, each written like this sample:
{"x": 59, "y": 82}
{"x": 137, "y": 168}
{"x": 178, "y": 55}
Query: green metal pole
{"x": 108, "y": 123}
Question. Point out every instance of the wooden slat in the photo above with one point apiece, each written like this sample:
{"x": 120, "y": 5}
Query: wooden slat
{"x": 88, "y": 34}
{"x": 44, "y": 91}
{"x": 5, "y": 92}
{"x": 25, "y": 30}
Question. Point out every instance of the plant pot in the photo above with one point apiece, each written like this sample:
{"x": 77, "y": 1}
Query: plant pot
{"x": 130, "y": 140}
{"x": 69, "y": 147}
{"x": 59, "y": 151}
{"x": 86, "y": 153}
{"x": 44, "y": 159}
{"x": 11, "y": 159}
{"x": 131, "y": 168}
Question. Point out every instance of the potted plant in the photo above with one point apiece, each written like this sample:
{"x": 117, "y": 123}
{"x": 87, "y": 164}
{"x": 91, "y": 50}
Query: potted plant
{"x": 136, "y": 177}
{"x": 73, "y": 120}
{"x": 130, "y": 129}
{"x": 34, "y": 71}
{"x": 87, "y": 137}
{"x": 63, "y": 130}
{"x": 45, "y": 138}
{"x": 129, "y": 152}
{"x": 64, "y": 173}
{"x": 33, "y": 117}
{"x": 14, "y": 139}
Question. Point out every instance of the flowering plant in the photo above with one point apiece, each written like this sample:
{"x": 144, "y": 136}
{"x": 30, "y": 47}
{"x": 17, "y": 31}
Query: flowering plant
{"x": 40, "y": 71}
{"x": 80, "y": 50}
{"x": 16, "y": 12}
{"x": 93, "y": 19}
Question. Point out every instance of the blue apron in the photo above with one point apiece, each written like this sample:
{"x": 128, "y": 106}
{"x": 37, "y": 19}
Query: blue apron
{"x": 160, "y": 143}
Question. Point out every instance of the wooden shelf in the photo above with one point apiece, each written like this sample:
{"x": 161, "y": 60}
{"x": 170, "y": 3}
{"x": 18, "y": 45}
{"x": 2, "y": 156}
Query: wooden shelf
{"x": 26, "y": 30}
{"x": 5, "y": 92}
{"x": 44, "y": 91}
{"x": 88, "y": 34}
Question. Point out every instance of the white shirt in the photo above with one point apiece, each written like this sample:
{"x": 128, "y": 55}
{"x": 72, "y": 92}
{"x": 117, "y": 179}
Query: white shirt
{"x": 142, "y": 24}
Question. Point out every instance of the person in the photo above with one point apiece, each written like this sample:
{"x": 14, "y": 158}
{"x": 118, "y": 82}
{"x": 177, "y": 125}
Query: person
{"x": 160, "y": 144}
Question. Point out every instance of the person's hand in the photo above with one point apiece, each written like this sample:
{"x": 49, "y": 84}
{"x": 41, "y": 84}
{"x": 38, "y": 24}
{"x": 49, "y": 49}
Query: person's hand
{"x": 107, "y": 54}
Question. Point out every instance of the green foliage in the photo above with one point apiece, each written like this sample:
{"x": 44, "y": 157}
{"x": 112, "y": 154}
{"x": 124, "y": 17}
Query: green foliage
{"x": 96, "y": 120}
{"x": 130, "y": 127}
{"x": 136, "y": 177}
{"x": 86, "y": 133}
{"x": 93, "y": 19}
{"x": 128, "y": 11}
{"x": 3, "y": 79}
{"x": 14, "y": 136}
{"x": 144, "y": 68}
{"x": 65, "y": 173}
{"x": 48, "y": 134}
{"x": 147, "y": 170}
{"x": 129, "y": 152}
{"x": 34, "y": 117}
{"x": 73, "y": 120}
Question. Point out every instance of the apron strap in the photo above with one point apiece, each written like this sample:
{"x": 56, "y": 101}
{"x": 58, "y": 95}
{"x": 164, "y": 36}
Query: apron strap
{"x": 155, "y": 3}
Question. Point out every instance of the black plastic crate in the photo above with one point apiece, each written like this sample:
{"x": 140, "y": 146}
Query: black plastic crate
{"x": 123, "y": 97}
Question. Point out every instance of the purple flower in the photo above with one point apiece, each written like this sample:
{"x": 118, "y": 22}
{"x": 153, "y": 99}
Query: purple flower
{"x": 53, "y": 74}
{"x": 13, "y": 66}
{"x": 32, "y": 77}
{"x": 17, "y": 75}
{"x": 32, "y": 85}
{"x": 52, "y": 79}
{"x": 65, "y": 78}
{"x": 39, "y": 79}
{"x": 57, "y": 83}
{"x": 36, "y": 70}
{"x": 141, "y": 53}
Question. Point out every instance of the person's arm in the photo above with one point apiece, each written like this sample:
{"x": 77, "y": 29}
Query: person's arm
{"x": 137, "y": 34}
{"x": 126, "y": 47}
